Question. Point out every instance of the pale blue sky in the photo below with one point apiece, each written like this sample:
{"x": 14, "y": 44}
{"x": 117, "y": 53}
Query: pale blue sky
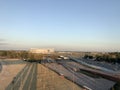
{"x": 82, "y": 25}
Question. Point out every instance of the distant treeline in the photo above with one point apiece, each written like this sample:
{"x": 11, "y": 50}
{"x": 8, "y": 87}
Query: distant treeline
{"x": 23, "y": 55}
{"x": 19, "y": 54}
{"x": 13, "y": 54}
{"x": 107, "y": 57}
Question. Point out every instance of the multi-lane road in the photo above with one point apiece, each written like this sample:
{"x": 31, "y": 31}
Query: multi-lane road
{"x": 55, "y": 75}
{"x": 70, "y": 70}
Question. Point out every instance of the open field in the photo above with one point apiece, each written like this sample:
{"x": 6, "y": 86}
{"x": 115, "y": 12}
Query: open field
{"x": 49, "y": 80}
{"x": 32, "y": 76}
{"x": 8, "y": 73}
{"x": 50, "y": 74}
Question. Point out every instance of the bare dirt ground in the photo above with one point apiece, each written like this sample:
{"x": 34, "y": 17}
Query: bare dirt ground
{"x": 49, "y": 80}
{"x": 8, "y": 73}
{"x": 33, "y": 77}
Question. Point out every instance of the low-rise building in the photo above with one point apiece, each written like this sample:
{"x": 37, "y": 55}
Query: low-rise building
{"x": 42, "y": 50}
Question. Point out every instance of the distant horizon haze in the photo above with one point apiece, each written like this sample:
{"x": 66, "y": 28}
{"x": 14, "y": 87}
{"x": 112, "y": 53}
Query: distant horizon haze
{"x": 66, "y": 25}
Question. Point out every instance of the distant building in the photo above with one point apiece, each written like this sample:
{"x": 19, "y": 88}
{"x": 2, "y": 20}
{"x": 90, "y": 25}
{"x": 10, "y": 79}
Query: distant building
{"x": 42, "y": 50}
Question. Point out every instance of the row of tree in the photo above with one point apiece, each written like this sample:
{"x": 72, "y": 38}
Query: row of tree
{"x": 20, "y": 55}
{"x": 25, "y": 55}
{"x": 107, "y": 57}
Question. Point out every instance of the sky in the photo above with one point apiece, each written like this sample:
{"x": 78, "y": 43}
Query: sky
{"x": 75, "y": 25}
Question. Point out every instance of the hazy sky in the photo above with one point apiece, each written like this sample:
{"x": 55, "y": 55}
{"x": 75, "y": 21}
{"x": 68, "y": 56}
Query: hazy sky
{"x": 82, "y": 25}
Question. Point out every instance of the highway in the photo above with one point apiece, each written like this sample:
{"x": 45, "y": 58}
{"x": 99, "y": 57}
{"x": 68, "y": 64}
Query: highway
{"x": 108, "y": 73}
{"x": 66, "y": 68}
{"x": 98, "y": 65}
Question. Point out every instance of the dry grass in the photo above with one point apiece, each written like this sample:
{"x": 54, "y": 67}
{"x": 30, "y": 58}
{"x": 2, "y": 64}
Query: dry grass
{"x": 8, "y": 73}
{"x": 46, "y": 79}
{"x": 49, "y": 80}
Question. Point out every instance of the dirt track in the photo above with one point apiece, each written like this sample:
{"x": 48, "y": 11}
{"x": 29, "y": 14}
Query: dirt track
{"x": 33, "y": 76}
{"x": 49, "y": 80}
{"x": 8, "y": 73}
